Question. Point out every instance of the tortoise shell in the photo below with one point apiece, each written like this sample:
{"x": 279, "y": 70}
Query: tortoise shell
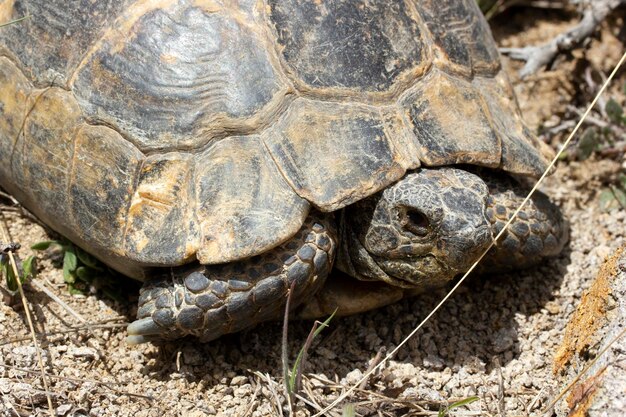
{"x": 156, "y": 132}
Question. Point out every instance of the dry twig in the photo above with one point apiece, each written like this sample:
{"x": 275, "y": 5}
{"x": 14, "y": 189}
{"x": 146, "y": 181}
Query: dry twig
{"x": 6, "y": 236}
{"x": 538, "y": 57}
{"x": 87, "y": 327}
{"x": 82, "y": 381}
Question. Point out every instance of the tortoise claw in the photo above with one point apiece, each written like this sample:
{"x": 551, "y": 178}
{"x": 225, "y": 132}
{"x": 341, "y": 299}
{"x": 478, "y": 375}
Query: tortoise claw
{"x": 144, "y": 327}
{"x": 137, "y": 340}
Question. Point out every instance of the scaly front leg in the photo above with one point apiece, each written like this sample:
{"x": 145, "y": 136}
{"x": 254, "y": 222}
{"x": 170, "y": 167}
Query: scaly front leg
{"x": 210, "y": 301}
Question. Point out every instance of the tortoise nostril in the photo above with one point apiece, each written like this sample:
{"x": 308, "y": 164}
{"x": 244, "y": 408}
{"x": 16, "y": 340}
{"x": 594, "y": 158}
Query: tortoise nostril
{"x": 415, "y": 222}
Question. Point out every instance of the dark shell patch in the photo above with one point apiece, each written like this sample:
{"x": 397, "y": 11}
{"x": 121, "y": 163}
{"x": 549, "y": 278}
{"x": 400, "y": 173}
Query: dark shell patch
{"x": 360, "y": 45}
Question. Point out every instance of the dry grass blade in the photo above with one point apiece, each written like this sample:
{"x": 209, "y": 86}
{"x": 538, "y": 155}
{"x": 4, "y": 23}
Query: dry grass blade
{"x": 87, "y": 327}
{"x": 42, "y": 288}
{"x": 9, "y": 198}
{"x": 12, "y": 22}
{"x": 379, "y": 356}
{"x": 81, "y": 381}
{"x": 537, "y": 57}
{"x": 253, "y": 401}
{"x": 502, "y": 231}
{"x": 271, "y": 387}
{"x": 44, "y": 377}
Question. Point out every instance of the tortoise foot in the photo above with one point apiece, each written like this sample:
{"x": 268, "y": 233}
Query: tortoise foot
{"x": 210, "y": 301}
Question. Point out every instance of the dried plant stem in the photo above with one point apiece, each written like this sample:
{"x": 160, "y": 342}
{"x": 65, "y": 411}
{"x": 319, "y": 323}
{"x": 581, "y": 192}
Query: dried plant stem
{"x": 379, "y": 356}
{"x": 81, "y": 381}
{"x": 537, "y": 57}
{"x": 498, "y": 236}
{"x": 44, "y": 377}
{"x": 70, "y": 330}
{"x": 45, "y": 290}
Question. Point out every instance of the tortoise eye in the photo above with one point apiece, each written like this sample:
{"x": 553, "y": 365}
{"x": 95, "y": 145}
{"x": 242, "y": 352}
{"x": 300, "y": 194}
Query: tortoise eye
{"x": 415, "y": 222}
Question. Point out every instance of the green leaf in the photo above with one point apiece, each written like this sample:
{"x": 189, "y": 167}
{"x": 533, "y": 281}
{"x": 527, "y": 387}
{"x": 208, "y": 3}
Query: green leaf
{"x": 7, "y": 272}
{"x": 348, "y": 411}
{"x": 620, "y": 196}
{"x": 74, "y": 290}
{"x": 86, "y": 274}
{"x": 29, "y": 267}
{"x": 614, "y": 111}
{"x": 463, "y": 402}
{"x": 608, "y": 201}
{"x": 622, "y": 181}
{"x": 68, "y": 273}
{"x": 70, "y": 261}
{"x": 588, "y": 143}
{"x": 87, "y": 259}
{"x": 45, "y": 244}
{"x": 444, "y": 411}
{"x": 296, "y": 365}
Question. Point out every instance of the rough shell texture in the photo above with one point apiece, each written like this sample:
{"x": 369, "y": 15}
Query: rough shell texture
{"x": 155, "y": 131}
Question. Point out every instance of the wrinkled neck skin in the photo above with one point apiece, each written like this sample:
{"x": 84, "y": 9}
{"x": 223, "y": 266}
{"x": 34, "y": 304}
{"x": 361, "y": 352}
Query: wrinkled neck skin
{"x": 419, "y": 232}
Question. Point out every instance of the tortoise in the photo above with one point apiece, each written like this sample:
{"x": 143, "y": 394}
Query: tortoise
{"x": 229, "y": 152}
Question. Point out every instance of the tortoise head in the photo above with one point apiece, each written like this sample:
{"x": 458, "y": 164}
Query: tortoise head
{"x": 419, "y": 232}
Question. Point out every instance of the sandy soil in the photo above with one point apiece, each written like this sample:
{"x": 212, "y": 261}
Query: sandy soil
{"x": 494, "y": 339}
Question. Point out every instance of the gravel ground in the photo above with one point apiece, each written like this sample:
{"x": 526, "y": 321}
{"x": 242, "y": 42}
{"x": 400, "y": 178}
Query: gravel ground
{"x": 495, "y": 338}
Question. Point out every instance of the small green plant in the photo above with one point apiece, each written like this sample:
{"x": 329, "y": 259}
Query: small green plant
{"x": 589, "y": 142}
{"x": 605, "y": 137}
{"x": 294, "y": 377}
{"x": 605, "y": 131}
{"x": 613, "y": 197}
{"x": 81, "y": 272}
{"x": 443, "y": 412}
{"x": 26, "y": 269}
{"x": 615, "y": 112}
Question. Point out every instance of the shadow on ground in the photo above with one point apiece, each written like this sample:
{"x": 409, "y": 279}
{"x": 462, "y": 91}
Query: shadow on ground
{"x": 477, "y": 327}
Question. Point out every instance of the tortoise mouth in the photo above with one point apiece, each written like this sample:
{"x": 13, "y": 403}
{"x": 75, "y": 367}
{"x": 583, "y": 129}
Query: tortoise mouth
{"x": 406, "y": 271}
{"x": 416, "y": 272}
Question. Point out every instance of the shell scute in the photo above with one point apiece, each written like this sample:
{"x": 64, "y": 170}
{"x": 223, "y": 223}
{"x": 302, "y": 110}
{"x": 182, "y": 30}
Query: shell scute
{"x": 177, "y": 77}
{"x": 51, "y": 43}
{"x": 335, "y": 154}
{"x": 46, "y": 151}
{"x": 161, "y": 227}
{"x": 15, "y": 99}
{"x": 244, "y": 206}
{"x": 522, "y": 152}
{"x": 462, "y": 39}
{"x": 451, "y": 122}
{"x": 101, "y": 185}
{"x": 363, "y": 46}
